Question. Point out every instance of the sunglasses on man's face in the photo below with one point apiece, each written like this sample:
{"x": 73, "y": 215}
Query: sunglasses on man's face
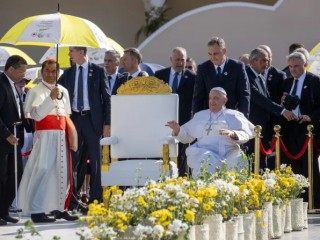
{"x": 189, "y": 67}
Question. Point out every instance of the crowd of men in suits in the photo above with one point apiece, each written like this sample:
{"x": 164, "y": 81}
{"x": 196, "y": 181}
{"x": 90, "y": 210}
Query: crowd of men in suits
{"x": 257, "y": 89}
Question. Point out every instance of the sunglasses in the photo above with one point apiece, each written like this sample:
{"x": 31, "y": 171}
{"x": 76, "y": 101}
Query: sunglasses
{"x": 189, "y": 67}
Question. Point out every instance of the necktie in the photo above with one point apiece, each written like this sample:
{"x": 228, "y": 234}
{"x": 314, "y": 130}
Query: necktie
{"x": 175, "y": 83}
{"x": 109, "y": 80}
{"x": 80, "y": 90}
{"x": 295, "y": 85}
{"x": 263, "y": 87}
{"x": 219, "y": 73}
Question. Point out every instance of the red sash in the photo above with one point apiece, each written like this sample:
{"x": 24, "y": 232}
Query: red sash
{"x": 51, "y": 122}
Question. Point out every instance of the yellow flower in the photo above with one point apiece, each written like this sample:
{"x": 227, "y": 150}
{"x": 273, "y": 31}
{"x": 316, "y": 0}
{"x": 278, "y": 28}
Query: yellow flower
{"x": 189, "y": 216}
{"x": 258, "y": 214}
{"x": 141, "y": 201}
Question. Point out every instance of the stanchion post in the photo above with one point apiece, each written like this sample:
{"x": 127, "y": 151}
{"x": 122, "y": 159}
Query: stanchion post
{"x": 165, "y": 153}
{"x": 105, "y": 158}
{"x": 310, "y": 166}
{"x": 277, "y": 129}
{"x": 257, "y": 130}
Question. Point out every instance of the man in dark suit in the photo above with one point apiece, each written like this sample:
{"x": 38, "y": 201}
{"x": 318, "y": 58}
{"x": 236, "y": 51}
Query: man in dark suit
{"x": 11, "y": 112}
{"x": 111, "y": 64}
{"x": 131, "y": 59}
{"x": 90, "y": 101}
{"x": 306, "y": 86}
{"x": 181, "y": 82}
{"x": 261, "y": 105}
{"x": 220, "y": 71}
{"x": 274, "y": 80}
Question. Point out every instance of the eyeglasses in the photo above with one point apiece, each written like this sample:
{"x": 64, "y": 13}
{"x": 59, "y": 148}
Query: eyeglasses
{"x": 189, "y": 67}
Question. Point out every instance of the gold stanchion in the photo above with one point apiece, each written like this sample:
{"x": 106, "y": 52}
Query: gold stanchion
{"x": 277, "y": 129}
{"x": 310, "y": 166}
{"x": 105, "y": 158}
{"x": 165, "y": 153}
{"x": 257, "y": 130}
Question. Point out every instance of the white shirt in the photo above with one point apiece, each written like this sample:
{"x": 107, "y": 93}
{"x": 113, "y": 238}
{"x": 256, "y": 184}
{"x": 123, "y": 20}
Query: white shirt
{"x": 296, "y": 111}
{"x": 221, "y": 66}
{"x": 112, "y": 80}
{"x": 86, "y": 105}
{"x": 16, "y": 94}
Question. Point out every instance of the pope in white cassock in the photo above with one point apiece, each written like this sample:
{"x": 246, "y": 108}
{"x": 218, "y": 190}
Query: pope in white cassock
{"x": 219, "y": 133}
{"x": 44, "y": 183}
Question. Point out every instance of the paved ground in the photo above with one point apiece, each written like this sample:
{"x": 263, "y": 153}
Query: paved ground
{"x": 67, "y": 230}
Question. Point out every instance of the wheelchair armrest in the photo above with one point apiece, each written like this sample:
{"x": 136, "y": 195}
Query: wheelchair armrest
{"x": 109, "y": 141}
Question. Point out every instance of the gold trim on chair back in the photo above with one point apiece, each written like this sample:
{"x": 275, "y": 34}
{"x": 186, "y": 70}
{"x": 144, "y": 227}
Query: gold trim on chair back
{"x": 144, "y": 85}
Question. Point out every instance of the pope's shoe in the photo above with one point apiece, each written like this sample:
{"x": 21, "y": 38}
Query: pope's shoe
{"x": 41, "y": 218}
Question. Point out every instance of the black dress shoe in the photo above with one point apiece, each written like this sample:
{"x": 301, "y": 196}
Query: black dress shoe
{"x": 64, "y": 215}
{"x": 2, "y": 222}
{"x": 10, "y": 219}
{"x": 41, "y": 218}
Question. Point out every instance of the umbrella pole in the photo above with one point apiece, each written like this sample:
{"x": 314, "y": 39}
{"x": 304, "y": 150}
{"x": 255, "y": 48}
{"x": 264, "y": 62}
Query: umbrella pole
{"x": 57, "y": 59}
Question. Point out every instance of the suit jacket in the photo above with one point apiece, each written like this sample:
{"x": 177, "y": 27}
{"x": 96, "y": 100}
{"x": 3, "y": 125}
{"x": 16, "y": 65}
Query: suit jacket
{"x": 275, "y": 83}
{"x": 120, "y": 79}
{"x": 9, "y": 114}
{"x": 234, "y": 81}
{"x": 310, "y": 97}
{"x": 261, "y": 105}
{"x": 185, "y": 91}
{"x": 98, "y": 93}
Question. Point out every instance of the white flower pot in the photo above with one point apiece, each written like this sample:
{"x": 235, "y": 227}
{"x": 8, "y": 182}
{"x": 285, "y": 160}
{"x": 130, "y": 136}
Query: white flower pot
{"x": 277, "y": 226}
{"x": 216, "y": 229}
{"x": 305, "y": 214}
{"x": 262, "y": 225}
{"x": 268, "y": 205}
{"x": 288, "y": 225}
{"x": 297, "y": 216}
{"x": 240, "y": 227}
{"x": 249, "y": 225}
{"x": 201, "y": 232}
{"x": 232, "y": 230}
{"x": 191, "y": 235}
{"x": 283, "y": 209}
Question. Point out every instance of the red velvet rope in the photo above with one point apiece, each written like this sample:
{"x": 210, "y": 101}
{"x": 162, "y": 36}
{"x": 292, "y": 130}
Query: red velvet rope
{"x": 316, "y": 146}
{"x": 299, "y": 155}
{"x": 270, "y": 150}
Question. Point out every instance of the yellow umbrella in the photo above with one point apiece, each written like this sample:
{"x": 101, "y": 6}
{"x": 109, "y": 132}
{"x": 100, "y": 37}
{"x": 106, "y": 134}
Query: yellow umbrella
{"x": 314, "y": 60}
{"x": 56, "y": 29}
{"x": 6, "y": 52}
{"x": 96, "y": 55}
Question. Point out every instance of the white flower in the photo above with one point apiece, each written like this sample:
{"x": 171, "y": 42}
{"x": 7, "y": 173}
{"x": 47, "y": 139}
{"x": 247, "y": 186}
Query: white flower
{"x": 269, "y": 183}
{"x": 158, "y": 231}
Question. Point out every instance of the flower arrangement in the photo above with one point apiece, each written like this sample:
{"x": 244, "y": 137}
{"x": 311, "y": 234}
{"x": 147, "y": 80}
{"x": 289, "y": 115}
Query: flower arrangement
{"x": 169, "y": 207}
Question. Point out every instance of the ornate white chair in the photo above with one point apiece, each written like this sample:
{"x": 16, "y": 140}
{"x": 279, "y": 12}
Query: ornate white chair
{"x": 139, "y": 136}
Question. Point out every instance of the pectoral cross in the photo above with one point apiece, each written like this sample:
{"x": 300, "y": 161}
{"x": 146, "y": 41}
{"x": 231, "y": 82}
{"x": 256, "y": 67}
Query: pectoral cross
{"x": 209, "y": 129}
